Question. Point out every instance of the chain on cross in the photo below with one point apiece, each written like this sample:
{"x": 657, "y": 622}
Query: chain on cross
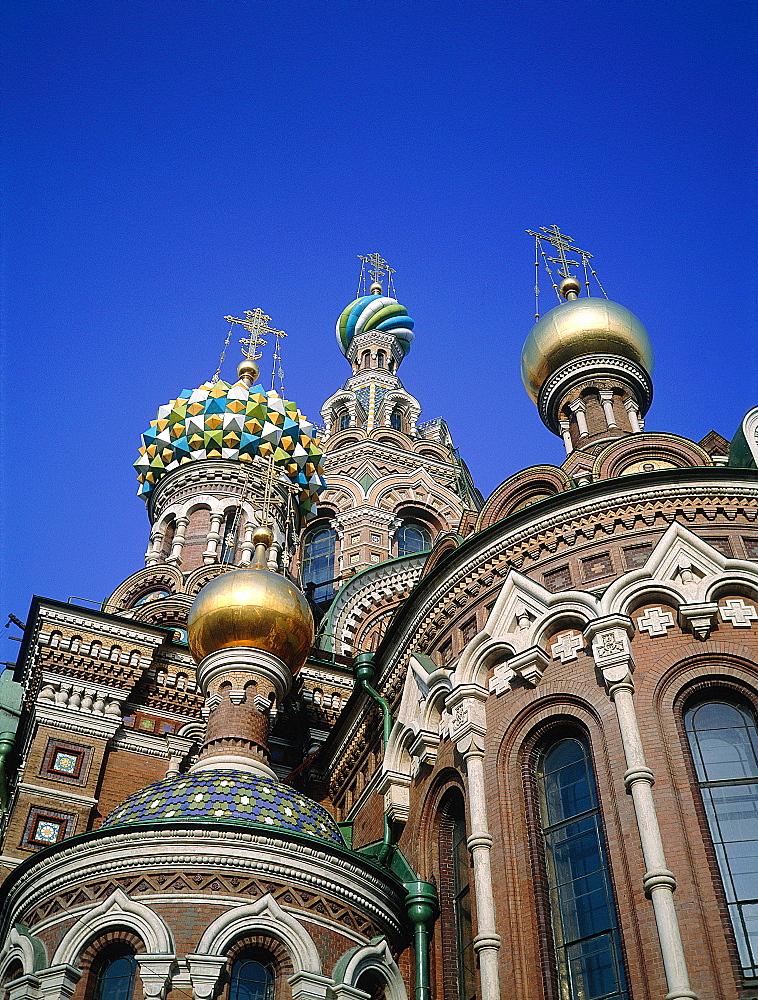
{"x": 256, "y": 323}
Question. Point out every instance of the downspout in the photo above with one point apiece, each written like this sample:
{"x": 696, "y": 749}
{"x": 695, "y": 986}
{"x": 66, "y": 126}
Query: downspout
{"x": 422, "y": 908}
{"x": 6, "y": 745}
{"x": 364, "y": 673}
{"x": 421, "y": 899}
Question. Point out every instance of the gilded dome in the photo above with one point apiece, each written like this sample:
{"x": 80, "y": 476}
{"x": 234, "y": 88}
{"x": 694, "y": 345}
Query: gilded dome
{"x": 227, "y": 797}
{"x": 374, "y": 312}
{"x": 251, "y": 607}
{"x": 240, "y": 422}
{"x": 578, "y": 328}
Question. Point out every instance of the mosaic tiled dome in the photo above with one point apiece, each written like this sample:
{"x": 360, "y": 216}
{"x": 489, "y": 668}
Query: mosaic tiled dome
{"x": 375, "y": 312}
{"x": 237, "y": 422}
{"x": 227, "y": 797}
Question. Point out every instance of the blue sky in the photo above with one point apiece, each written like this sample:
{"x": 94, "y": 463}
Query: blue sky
{"x": 167, "y": 163}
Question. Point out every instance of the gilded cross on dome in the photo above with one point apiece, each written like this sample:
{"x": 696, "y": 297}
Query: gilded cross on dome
{"x": 256, "y": 322}
{"x": 563, "y": 244}
{"x": 377, "y": 267}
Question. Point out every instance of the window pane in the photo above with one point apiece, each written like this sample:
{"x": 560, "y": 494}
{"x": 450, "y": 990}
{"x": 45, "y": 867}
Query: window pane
{"x": 724, "y": 744}
{"x": 116, "y": 979}
{"x": 318, "y": 561}
{"x": 412, "y": 538}
{"x": 581, "y": 901}
{"x": 251, "y": 981}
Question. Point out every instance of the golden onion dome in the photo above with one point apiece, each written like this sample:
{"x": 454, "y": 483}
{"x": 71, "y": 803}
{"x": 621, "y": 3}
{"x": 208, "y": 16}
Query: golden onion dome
{"x": 251, "y": 607}
{"x": 578, "y": 328}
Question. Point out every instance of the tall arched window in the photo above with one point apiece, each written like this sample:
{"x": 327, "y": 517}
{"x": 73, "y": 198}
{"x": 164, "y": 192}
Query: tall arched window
{"x": 412, "y": 538}
{"x": 251, "y": 980}
{"x": 366, "y": 360}
{"x": 381, "y": 359}
{"x": 723, "y": 739}
{"x": 318, "y": 561}
{"x": 115, "y": 978}
{"x": 396, "y": 419}
{"x": 343, "y": 419}
{"x": 458, "y": 960}
{"x": 585, "y": 928}
{"x": 229, "y": 537}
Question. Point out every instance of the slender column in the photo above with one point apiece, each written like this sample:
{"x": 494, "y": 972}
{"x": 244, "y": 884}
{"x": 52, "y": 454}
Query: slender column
{"x": 566, "y": 435}
{"x": 153, "y": 554}
{"x": 247, "y": 545}
{"x": 612, "y": 653}
{"x": 178, "y": 544}
{"x": 633, "y": 410}
{"x": 606, "y": 398}
{"x": 468, "y": 731}
{"x": 578, "y": 408}
{"x": 212, "y": 539}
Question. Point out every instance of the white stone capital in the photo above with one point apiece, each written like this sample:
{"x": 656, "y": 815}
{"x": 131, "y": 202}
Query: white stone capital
{"x": 204, "y": 972}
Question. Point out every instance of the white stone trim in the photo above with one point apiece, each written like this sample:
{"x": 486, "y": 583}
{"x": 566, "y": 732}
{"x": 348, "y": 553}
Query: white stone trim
{"x": 18, "y": 946}
{"x": 375, "y": 957}
{"x": 267, "y": 917}
{"x": 118, "y": 908}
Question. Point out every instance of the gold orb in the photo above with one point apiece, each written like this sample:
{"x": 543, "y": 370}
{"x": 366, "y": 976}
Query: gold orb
{"x": 248, "y": 368}
{"x": 577, "y": 328}
{"x": 263, "y": 535}
{"x": 251, "y": 608}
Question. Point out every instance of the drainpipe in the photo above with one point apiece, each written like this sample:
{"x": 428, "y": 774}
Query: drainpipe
{"x": 364, "y": 673}
{"x": 422, "y": 908}
{"x": 6, "y": 745}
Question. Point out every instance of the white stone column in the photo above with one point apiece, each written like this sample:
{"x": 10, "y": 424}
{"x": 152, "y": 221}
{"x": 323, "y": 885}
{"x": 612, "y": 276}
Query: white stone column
{"x": 468, "y": 729}
{"x": 606, "y": 398}
{"x": 212, "y": 539}
{"x": 566, "y": 435}
{"x": 153, "y": 554}
{"x": 634, "y": 414}
{"x": 310, "y": 986}
{"x": 613, "y": 656}
{"x": 23, "y": 988}
{"x": 578, "y": 409}
{"x": 155, "y": 973}
{"x": 58, "y": 982}
{"x": 204, "y": 972}
{"x": 247, "y": 546}
{"x": 178, "y": 544}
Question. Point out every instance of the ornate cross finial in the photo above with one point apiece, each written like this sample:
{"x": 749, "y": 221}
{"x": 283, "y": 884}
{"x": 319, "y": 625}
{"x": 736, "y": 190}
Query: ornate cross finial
{"x": 256, "y": 323}
{"x": 563, "y": 244}
{"x": 377, "y": 267}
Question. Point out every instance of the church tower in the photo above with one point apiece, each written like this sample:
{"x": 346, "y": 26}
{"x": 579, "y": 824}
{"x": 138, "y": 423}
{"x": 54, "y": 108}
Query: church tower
{"x": 396, "y": 485}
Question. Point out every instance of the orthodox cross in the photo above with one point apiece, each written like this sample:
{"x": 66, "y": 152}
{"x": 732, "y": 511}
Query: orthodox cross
{"x": 563, "y": 244}
{"x": 256, "y": 323}
{"x": 377, "y": 267}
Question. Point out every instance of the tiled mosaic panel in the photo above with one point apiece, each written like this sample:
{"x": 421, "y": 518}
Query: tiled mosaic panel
{"x": 65, "y": 762}
{"x": 219, "y": 420}
{"x": 222, "y": 797}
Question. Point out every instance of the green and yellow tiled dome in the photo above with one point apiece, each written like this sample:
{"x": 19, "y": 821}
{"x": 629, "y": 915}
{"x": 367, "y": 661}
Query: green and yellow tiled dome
{"x": 227, "y": 797}
{"x": 237, "y": 422}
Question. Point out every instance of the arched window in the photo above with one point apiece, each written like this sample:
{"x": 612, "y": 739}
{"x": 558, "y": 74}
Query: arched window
{"x": 229, "y": 537}
{"x": 318, "y": 562}
{"x": 366, "y": 360}
{"x": 396, "y": 419}
{"x": 251, "y": 980}
{"x": 115, "y": 979}
{"x": 585, "y": 927}
{"x": 342, "y": 419}
{"x": 381, "y": 359}
{"x": 724, "y": 742}
{"x": 458, "y": 960}
{"x": 412, "y": 538}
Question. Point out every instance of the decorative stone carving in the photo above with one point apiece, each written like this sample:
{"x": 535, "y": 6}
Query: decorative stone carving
{"x": 737, "y": 613}
{"x": 655, "y": 621}
{"x": 699, "y": 619}
{"x": 566, "y": 646}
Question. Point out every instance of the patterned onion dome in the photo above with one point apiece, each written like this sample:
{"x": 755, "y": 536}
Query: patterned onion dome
{"x": 237, "y": 422}
{"x": 227, "y": 797}
{"x": 375, "y": 312}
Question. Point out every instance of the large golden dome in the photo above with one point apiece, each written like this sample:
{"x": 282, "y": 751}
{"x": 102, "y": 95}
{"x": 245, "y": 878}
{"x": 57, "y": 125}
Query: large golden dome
{"x": 252, "y": 607}
{"x": 576, "y": 329}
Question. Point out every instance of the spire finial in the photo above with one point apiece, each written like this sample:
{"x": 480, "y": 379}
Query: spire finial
{"x": 376, "y": 267}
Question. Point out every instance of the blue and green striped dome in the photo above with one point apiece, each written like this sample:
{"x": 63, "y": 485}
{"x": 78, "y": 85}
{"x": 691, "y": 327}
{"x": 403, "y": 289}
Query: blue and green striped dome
{"x": 237, "y": 422}
{"x": 375, "y": 312}
{"x": 227, "y": 797}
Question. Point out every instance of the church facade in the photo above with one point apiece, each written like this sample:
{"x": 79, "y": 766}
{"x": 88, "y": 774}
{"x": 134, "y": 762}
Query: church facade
{"x": 354, "y": 731}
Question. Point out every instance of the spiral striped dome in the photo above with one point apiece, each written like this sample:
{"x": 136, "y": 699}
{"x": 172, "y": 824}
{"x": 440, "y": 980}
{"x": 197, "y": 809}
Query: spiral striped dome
{"x": 375, "y": 312}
